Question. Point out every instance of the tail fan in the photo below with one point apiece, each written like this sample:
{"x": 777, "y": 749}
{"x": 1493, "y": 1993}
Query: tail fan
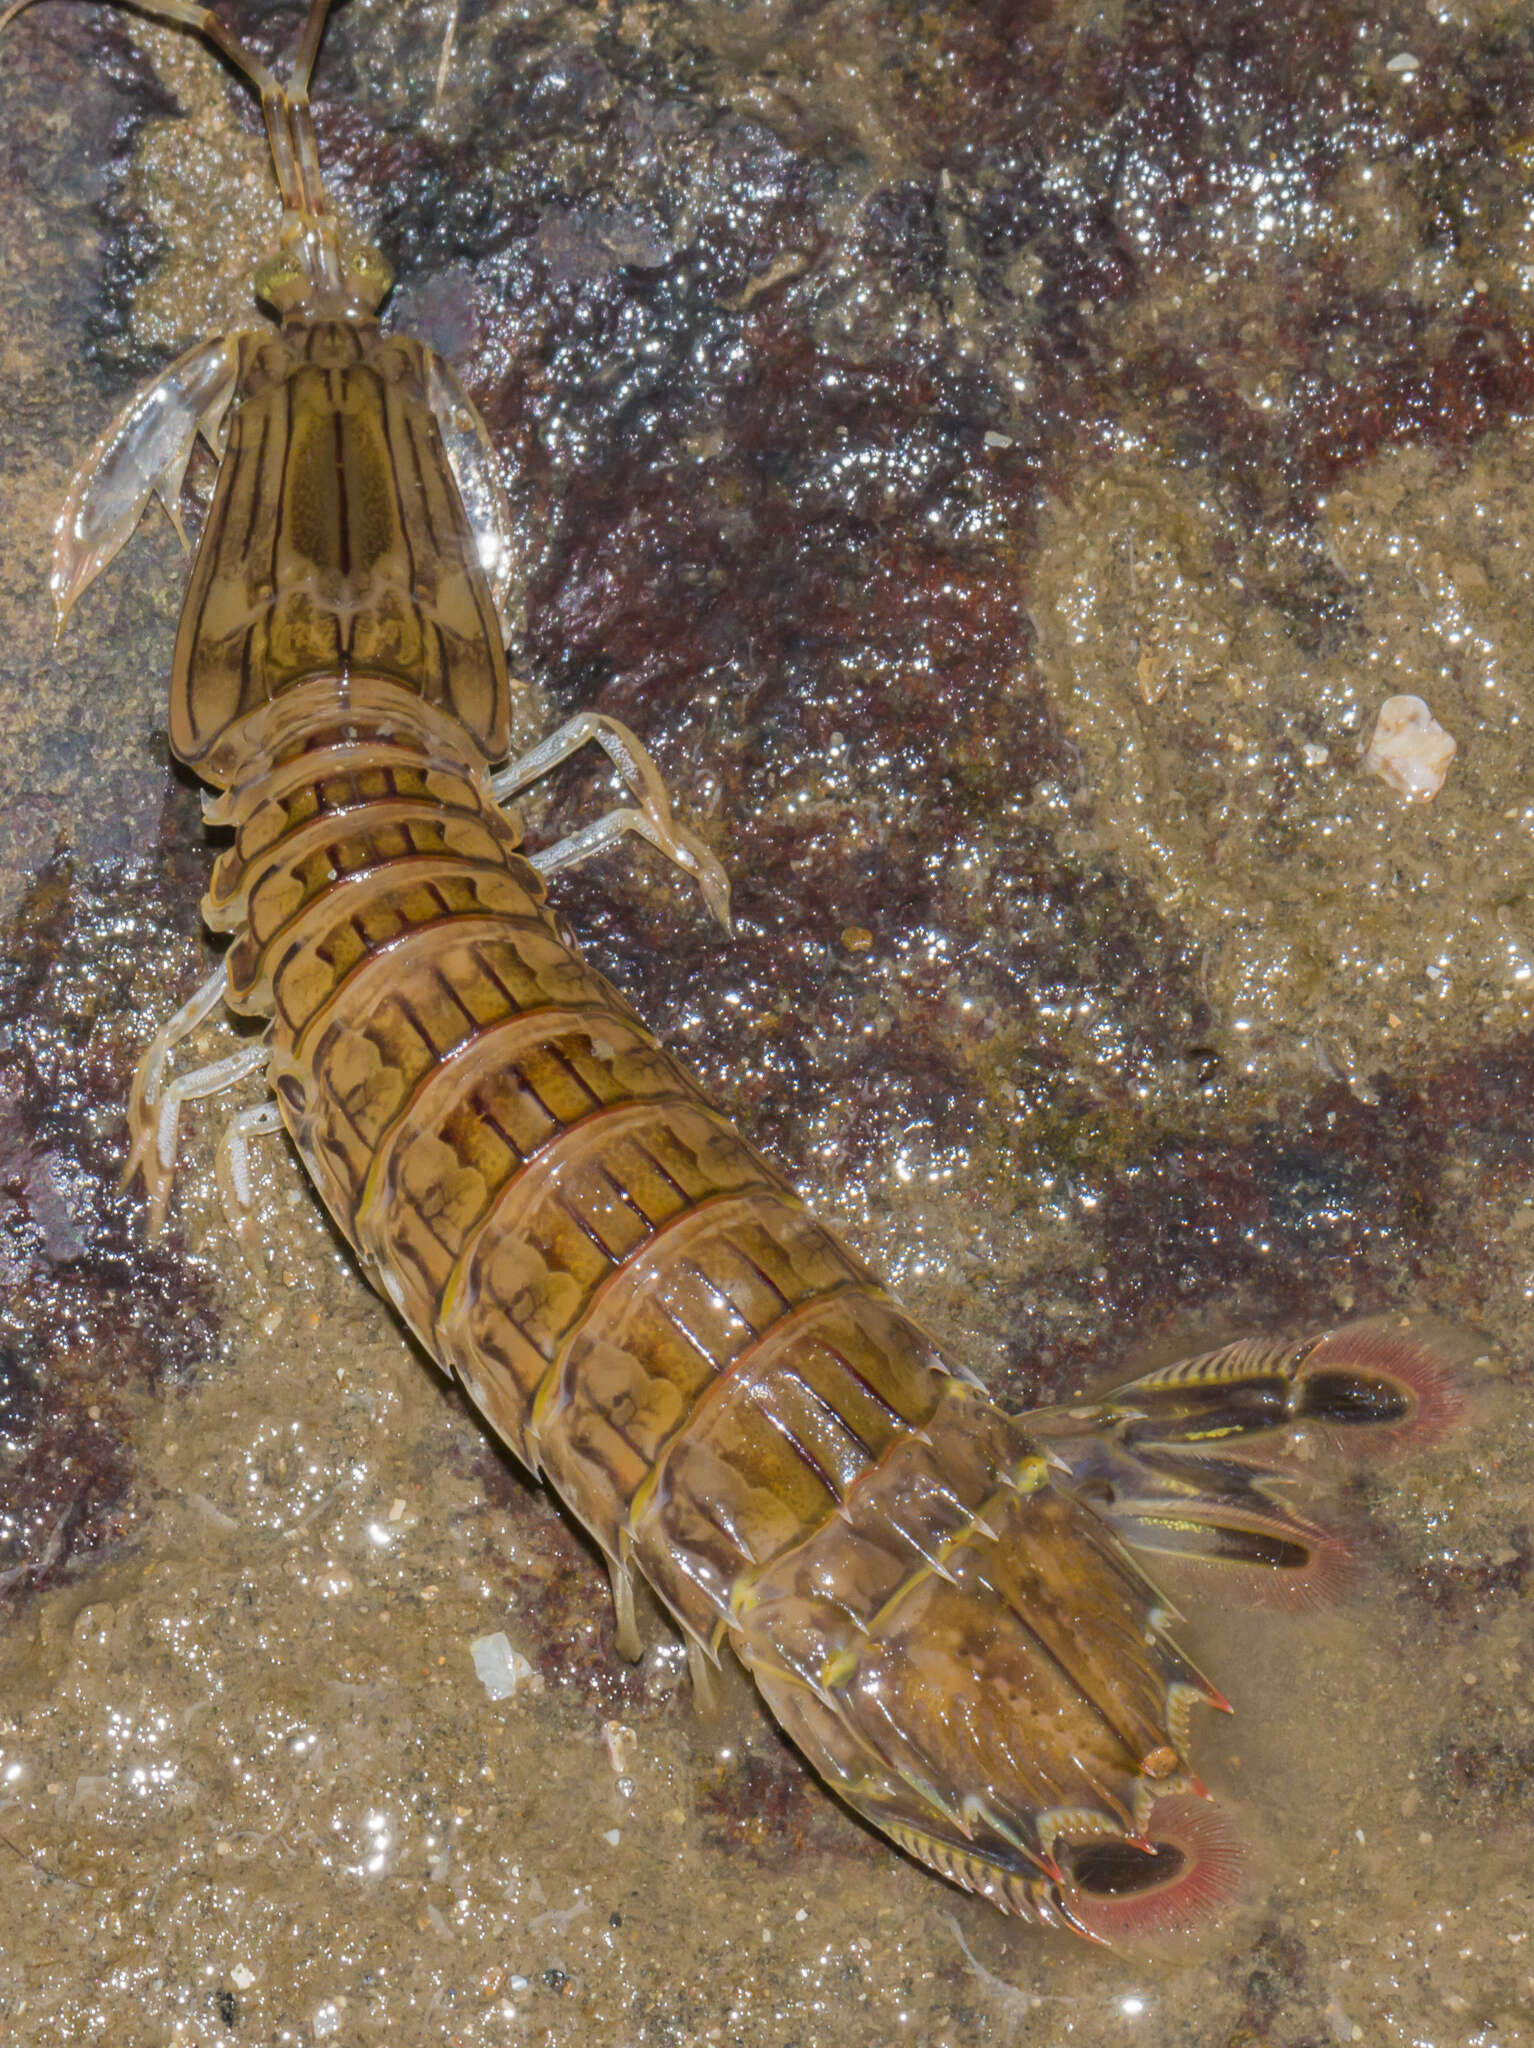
{"x": 1116, "y": 1892}
{"x": 1193, "y": 1460}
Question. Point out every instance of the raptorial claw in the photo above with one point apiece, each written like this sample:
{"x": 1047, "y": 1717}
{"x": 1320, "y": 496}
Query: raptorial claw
{"x": 142, "y": 454}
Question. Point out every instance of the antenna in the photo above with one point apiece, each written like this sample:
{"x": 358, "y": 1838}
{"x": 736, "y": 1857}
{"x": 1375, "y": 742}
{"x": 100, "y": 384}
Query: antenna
{"x": 289, "y": 124}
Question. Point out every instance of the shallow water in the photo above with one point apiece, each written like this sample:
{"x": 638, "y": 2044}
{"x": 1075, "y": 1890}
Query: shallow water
{"x": 999, "y": 460}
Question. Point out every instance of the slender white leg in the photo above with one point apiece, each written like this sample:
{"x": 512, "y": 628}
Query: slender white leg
{"x": 630, "y": 1642}
{"x": 158, "y": 1164}
{"x": 706, "y": 1694}
{"x": 233, "y": 1169}
{"x": 592, "y": 838}
{"x": 150, "y": 1076}
{"x": 652, "y": 820}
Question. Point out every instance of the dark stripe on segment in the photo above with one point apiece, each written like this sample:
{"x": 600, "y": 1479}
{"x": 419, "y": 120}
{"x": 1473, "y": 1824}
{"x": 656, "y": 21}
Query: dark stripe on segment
{"x": 901, "y": 1443}
{"x": 802, "y": 1452}
{"x": 604, "y": 1119}
{"x": 536, "y": 1181}
{"x": 344, "y": 550}
{"x": 255, "y": 469}
{"x": 328, "y": 774}
{"x": 718, "y": 1296}
{"x": 406, "y": 434}
{"x": 874, "y": 1291}
{"x": 350, "y": 894}
{"x": 444, "y": 908}
{"x": 418, "y": 472}
{"x": 587, "y": 1229}
{"x": 561, "y": 1058}
{"x": 279, "y": 518}
{"x": 521, "y": 1192}
{"x": 688, "y": 1095}
{"x": 404, "y": 1008}
{"x": 625, "y": 1196}
{"x": 492, "y": 974}
{"x": 761, "y": 1273}
{"x": 827, "y": 1481}
{"x": 215, "y": 535}
{"x": 444, "y": 991}
{"x": 228, "y": 560}
{"x": 862, "y": 1448}
{"x": 689, "y": 1337}
{"x": 326, "y": 764}
{"x": 736, "y": 1380}
{"x": 386, "y": 415}
{"x": 446, "y": 552}
{"x": 461, "y": 540}
{"x": 613, "y": 1121}
{"x": 440, "y": 986}
{"x": 673, "y": 1240}
{"x": 469, "y": 924}
{"x": 353, "y": 821}
{"x": 461, "y": 1069}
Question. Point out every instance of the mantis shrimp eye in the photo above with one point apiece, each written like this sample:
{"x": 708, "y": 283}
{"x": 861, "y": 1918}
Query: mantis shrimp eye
{"x": 279, "y": 281}
{"x": 371, "y": 272}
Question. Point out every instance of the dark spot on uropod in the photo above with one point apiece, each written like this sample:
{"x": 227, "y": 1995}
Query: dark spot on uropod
{"x": 1113, "y": 1869}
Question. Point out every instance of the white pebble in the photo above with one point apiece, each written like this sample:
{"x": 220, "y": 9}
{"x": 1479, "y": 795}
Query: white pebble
{"x": 500, "y": 1668}
{"x": 1403, "y": 63}
{"x": 1410, "y": 750}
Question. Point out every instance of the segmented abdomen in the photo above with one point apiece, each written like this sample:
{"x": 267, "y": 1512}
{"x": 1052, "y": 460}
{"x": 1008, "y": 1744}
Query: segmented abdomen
{"x": 639, "y": 1304}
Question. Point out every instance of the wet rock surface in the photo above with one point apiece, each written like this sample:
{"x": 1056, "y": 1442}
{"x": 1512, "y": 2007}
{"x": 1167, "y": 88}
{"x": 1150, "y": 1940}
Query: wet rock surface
{"x": 1000, "y": 459}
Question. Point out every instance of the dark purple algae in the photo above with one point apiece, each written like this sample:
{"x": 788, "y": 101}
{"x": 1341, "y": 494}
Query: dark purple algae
{"x": 999, "y": 458}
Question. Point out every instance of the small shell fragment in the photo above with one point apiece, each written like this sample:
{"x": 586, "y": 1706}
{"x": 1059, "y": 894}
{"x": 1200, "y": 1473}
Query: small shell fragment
{"x": 499, "y": 1668}
{"x": 1410, "y": 750}
{"x": 621, "y": 1742}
